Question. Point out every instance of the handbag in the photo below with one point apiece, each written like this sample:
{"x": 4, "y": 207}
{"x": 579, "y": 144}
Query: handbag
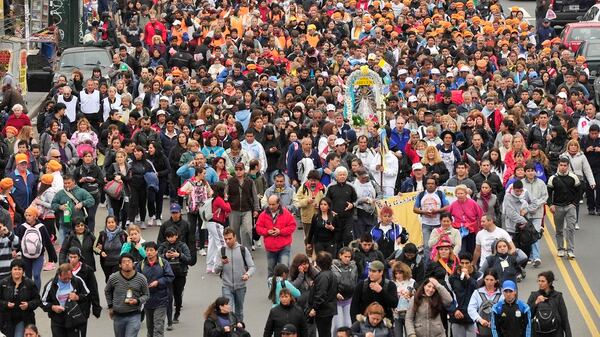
{"x": 114, "y": 189}
{"x": 151, "y": 179}
{"x": 74, "y": 316}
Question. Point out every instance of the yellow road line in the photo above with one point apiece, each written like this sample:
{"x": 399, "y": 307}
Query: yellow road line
{"x": 571, "y": 287}
{"x": 580, "y": 276}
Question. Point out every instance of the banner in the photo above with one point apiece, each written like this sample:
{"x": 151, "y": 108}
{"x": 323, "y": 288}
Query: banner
{"x": 403, "y": 206}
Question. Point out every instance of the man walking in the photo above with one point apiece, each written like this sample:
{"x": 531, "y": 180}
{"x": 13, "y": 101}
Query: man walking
{"x": 126, "y": 292}
{"x": 159, "y": 275}
{"x": 277, "y": 225}
{"x": 242, "y": 196}
{"x": 235, "y": 267}
{"x": 563, "y": 195}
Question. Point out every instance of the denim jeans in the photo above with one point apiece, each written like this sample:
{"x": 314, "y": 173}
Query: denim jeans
{"x": 535, "y": 247}
{"x": 281, "y": 256}
{"x": 236, "y": 300}
{"x": 426, "y": 229}
{"x": 63, "y": 230}
{"x": 127, "y": 326}
{"x": 91, "y": 219}
{"x": 33, "y": 269}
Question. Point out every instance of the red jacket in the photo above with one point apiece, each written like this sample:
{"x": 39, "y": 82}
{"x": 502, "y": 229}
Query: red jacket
{"x": 18, "y": 123}
{"x": 221, "y": 210}
{"x": 286, "y": 223}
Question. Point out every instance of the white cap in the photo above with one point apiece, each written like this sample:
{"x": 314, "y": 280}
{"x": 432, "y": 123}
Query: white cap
{"x": 450, "y": 74}
{"x": 340, "y": 5}
{"x": 562, "y": 95}
{"x": 176, "y": 23}
{"x": 409, "y": 79}
{"x": 339, "y": 141}
{"x": 164, "y": 98}
{"x": 465, "y": 68}
{"x": 372, "y": 56}
{"x": 417, "y": 166}
{"x": 160, "y": 112}
{"x": 330, "y": 107}
{"x": 412, "y": 98}
{"x": 435, "y": 71}
{"x": 402, "y": 72}
{"x": 200, "y": 122}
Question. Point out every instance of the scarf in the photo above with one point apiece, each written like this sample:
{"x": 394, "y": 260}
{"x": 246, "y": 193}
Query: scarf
{"x": 317, "y": 188}
{"x": 444, "y": 264}
{"x": 485, "y": 200}
{"x": 112, "y": 234}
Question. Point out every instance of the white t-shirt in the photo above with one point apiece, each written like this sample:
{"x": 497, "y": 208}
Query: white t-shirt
{"x": 485, "y": 239}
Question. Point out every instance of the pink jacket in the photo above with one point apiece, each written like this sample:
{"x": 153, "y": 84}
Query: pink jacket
{"x": 467, "y": 213}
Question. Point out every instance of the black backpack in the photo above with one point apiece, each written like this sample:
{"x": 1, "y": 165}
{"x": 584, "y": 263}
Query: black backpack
{"x": 242, "y": 250}
{"x": 545, "y": 320}
{"x": 485, "y": 311}
{"x": 528, "y": 235}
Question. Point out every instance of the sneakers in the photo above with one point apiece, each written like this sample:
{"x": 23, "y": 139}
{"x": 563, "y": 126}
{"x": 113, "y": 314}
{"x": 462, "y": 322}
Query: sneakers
{"x": 520, "y": 277}
{"x": 49, "y": 266}
{"x": 176, "y": 318}
{"x": 253, "y": 247}
{"x": 561, "y": 253}
{"x": 202, "y": 252}
{"x": 537, "y": 263}
{"x": 259, "y": 244}
{"x": 170, "y": 327}
{"x": 592, "y": 212}
{"x": 577, "y": 226}
{"x": 158, "y": 223}
{"x": 571, "y": 255}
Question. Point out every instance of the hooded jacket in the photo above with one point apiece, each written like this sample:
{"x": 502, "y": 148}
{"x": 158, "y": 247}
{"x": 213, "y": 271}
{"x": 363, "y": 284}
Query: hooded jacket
{"x": 86, "y": 245}
{"x": 232, "y": 272}
{"x": 362, "y": 326}
{"x": 303, "y": 195}
{"x": 280, "y": 315}
{"x": 538, "y": 195}
{"x": 511, "y": 209}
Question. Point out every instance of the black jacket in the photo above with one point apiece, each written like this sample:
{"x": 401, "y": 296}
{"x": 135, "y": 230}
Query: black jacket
{"x": 26, "y": 292}
{"x": 49, "y": 298}
{"x": 161, "y": 164}
{"x": 212, "y": 327}
{"x": 281, "y": 315}
{"x": 463, "y": 289}
{"x": 89, "y": 278}
{"x": 323, "y": 294}
{"x": 341, "y": 194}
{"x": 186, "y": 235}
{"x": 558, "y": 303}
{"x": 364, "y": 296}
{"x": 563, "y": 190}
{"x": 86, "y": 247}
{"x": 94, "y": 187}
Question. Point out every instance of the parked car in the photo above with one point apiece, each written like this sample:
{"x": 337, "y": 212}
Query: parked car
{"x": 593, "y": 14}
{"x": 85, "y": 59}
{"x": 575, "y": 33}
{"x": 590, "y": 49}
{"x": 568, "y": 11}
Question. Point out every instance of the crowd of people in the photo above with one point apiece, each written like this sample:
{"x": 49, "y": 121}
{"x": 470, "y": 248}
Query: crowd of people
{"x": 237, "y": 114}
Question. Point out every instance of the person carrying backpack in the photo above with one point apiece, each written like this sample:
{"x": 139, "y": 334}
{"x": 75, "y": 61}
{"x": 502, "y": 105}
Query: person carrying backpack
{"x": 235, "y": 267}
{"x": 34, "y": 239}
{"x": 548, "y": 309}
{"x": 482, "y": 302}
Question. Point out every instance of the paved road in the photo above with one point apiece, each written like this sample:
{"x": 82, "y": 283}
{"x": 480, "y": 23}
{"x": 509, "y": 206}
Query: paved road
{"x": 201, "y": 289}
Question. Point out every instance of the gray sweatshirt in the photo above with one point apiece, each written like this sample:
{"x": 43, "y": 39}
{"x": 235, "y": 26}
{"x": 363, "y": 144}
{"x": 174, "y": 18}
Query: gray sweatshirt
{"x": 116, "y": 292}
{"x": 511, "y": 210}
{"x": 538, "y": 195}
{"x": 232, "y": 272}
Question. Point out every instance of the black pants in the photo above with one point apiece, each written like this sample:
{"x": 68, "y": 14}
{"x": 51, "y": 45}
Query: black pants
{"x": 468, "y": 243}
{"x": 329, "y": 247}
{"x": 155, "y": 199}
{"x": 108, "y": 270}
{"x": 176, "y": 296}
{"x": 324, "y": 326}
{"x": 50, "y": 225}
{"x": 200, "y": 234}
{"x": 516, "y": 238}
{"x": 593, "y": 195}
{"x": 174, "y": 184}
{"x": 61, "y": 331}
{"x": 345, "y": 235}
{"x": 137, "y": 201}
{"x": 118, "y": 207}
{"x": 363, "y": 224}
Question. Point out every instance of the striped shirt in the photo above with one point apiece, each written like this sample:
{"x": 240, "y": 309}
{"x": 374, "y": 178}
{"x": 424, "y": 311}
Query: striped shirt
{"x": 116, "y": 292}
{"x": 7, "y": 245}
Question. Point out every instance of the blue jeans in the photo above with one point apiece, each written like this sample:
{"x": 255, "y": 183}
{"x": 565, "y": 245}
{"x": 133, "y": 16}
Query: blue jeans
{"x": 275, "y": 258}
{"x": 63, "y": 230}
{"x": 426, "y": 229}
{"x": 127, "y": 326}
{"x": 236, "y": 300}
{"x": 91, "y": 219}
{"x": 33, "y": 270}
{"x": 535, "y": 247}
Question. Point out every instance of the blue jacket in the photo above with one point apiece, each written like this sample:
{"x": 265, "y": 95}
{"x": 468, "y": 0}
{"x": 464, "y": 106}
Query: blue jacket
{"x": 161, "y": 271}
{"x": 399, "y": 140}
{"x": 504, "y": 319}
{"x": 24, "y": 190}
{"x": 186, "y": 172}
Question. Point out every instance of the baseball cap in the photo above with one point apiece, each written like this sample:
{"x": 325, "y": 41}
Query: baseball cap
{"x": 289, "y": 329}
{"x": 509, "y": 285}
{"x": 200, "y": 122}
{"x": 409, "y": 79}
{"x": 412, "y": 99}
{"x": 376, "y": 265}
{"x": 435, "y": 71}
{"x": 465, "y": 68}
{"x": 372, "y": 57}
{"x": 450, "y": 74}
{"x": 330, "y": 107}
{"x": 160, "y": 112}
{"x": 19, "y": 158}
{"x": 339, "y": 141}
{"x": 163, "y": 98}
{"x": 402, "y": 72}
{"x": 562, "y": 95}
{"x": 417, "y": 166}
{"x": 176, "y": 23}
{"x": 175, "y": 208}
